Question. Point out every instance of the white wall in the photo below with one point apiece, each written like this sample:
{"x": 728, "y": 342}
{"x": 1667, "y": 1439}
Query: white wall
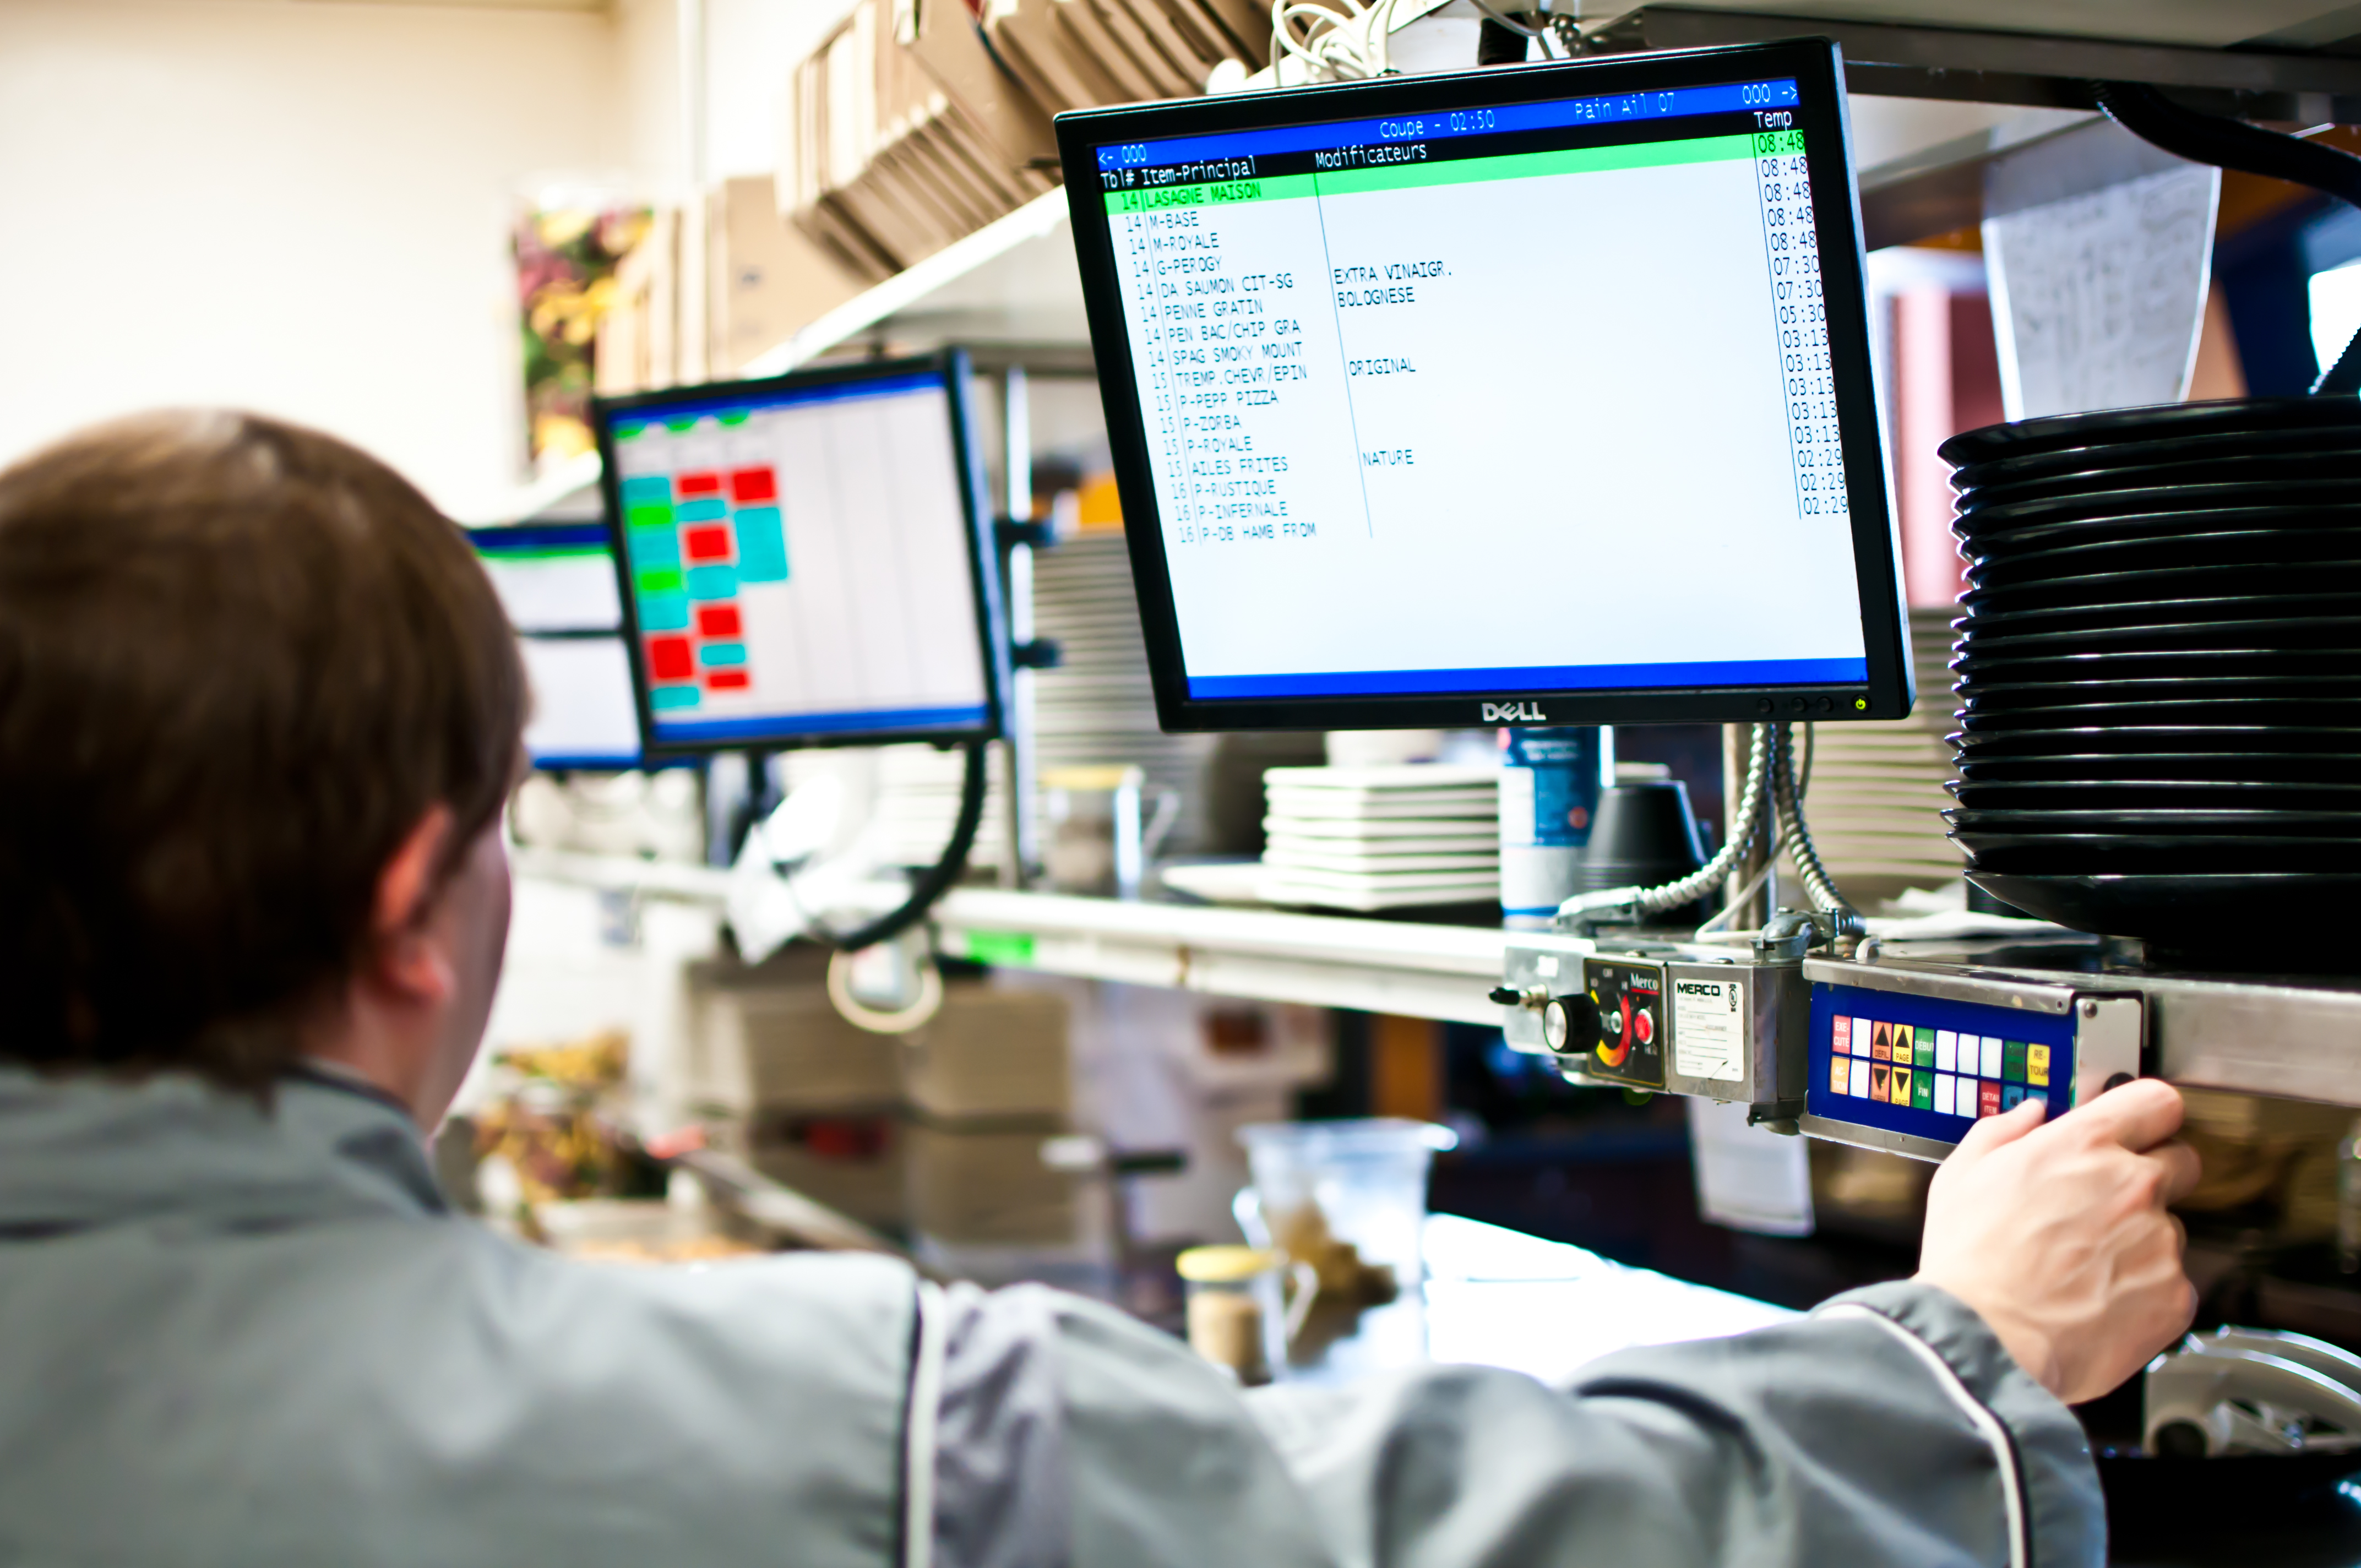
{"x": 302, "y": 209}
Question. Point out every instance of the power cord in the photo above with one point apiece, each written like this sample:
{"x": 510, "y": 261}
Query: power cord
{"x": 936, "y": 879}
{"x": 1770, "y": 773}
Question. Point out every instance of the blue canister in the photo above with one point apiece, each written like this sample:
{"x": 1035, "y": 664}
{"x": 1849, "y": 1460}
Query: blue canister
{"x": 1548, "y": 793}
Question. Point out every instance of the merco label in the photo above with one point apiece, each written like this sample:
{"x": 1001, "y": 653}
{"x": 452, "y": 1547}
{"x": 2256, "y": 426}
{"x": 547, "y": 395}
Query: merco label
{"x": 1708, "y": 1035}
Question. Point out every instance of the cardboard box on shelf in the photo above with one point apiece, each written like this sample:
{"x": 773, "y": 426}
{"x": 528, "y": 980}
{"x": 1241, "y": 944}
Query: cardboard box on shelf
{"x": 990, "y": 1053}
{"x": 771, "y": 279}
{"x": 857, "y": 1164}
{"x": 1007, "y": 120}
{"x": 753, "y": 1049}
{"x": 971, "y": 1186}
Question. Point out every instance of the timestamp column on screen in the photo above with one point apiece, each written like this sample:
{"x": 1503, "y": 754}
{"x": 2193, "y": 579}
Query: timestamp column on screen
{"x": 1222, "y": 286}
{"x": 1791, "y": 249}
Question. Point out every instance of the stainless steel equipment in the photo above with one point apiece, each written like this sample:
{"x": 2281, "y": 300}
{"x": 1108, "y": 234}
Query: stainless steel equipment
{"x": 2061, "y": 1018}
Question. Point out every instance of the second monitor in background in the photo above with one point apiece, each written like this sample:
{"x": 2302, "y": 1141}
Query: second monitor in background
{"x": 807, "y": 560}
{"x": 557, "y": 583}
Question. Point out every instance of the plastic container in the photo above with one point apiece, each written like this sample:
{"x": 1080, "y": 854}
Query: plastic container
{"x": 1550, "y": 781}
{"x": 1348, "y": 1199}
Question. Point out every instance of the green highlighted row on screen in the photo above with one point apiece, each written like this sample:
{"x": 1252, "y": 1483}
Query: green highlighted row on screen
{"x": 1457, "y": 171}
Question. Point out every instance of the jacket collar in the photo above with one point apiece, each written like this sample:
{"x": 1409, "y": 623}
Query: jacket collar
{"x": 82, "y": 1151}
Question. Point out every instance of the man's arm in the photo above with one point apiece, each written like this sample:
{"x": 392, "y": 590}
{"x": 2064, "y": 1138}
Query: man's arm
{"x": 1898, "y": 1424}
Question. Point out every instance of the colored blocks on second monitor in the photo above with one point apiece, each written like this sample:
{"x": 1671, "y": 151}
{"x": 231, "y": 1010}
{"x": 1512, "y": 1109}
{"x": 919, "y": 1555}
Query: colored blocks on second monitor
{"x": 706, "y": 541}
{"x": 751, "y": 486}
{"x": 762, "y": 544}
{"x": 719, "y": 620}
{"x": 712, "y": 582}
{"x": 663, "y": 611}
{"x": 669, "y": 659}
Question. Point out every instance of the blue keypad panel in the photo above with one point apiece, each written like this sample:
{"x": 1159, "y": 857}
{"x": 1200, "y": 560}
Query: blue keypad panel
{"x": 1930, "y": 1067}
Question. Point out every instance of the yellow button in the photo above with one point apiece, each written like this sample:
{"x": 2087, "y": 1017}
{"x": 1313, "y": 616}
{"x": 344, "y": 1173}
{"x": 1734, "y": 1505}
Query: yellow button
{"x": 2036, "y": 1066}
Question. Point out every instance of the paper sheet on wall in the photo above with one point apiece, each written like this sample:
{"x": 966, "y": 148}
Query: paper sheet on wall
{"x": 1749, "y": 1178}
{"x": 2097, "y": 297}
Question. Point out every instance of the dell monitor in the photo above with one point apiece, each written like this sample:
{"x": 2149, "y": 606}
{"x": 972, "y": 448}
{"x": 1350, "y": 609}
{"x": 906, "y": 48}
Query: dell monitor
{"x": 805, "y": 560}
{"x": 557, "y": 583}
{"x": 1536, "y": 395}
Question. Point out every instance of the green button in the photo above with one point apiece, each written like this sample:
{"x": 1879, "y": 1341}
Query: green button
{"x": 2013, "y": 1061}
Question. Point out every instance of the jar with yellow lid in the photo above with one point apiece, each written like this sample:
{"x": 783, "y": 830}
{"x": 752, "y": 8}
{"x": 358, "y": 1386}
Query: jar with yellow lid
{"x": 1245, "y": 1304}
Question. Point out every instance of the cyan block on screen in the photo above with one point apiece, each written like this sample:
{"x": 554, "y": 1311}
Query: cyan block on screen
{"x": 666, "y": 697}
{"x": 712, "y": 583}
{"x": 762, "y": 545}
{"x": 663, "y": 611}
{"x": 705, "y": 509}
{"x": 648, "y": 489}
{"x": 722, "y": 655}
{"x": 655, "y": 547}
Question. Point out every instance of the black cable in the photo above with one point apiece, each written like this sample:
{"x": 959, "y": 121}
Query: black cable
{"x": 937, "y": 879}
{"x": 2234, "y": 143}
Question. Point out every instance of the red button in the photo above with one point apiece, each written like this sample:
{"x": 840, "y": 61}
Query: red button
{"x": 1644, "y": 1026}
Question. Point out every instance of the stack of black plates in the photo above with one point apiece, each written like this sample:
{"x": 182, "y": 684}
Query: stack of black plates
{"x": 2159, "y": 667}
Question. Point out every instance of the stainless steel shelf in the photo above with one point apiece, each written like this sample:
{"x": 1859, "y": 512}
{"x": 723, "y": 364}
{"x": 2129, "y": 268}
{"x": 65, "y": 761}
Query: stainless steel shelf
{"x": 1377, "y": 966}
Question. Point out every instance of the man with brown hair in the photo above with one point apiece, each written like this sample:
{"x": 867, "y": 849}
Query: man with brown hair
{"x": 259, "y": 710}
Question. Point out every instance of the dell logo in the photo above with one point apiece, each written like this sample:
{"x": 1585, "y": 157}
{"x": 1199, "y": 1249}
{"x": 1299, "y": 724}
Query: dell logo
{"x": 1514, "y": 713}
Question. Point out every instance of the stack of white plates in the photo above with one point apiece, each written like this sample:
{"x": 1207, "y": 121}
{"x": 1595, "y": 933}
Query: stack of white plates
{"x": 1382, "y": 837}
{"x": 1876, "y": 798}
{"x": 1098, "y": 706}
{"x": 918, "y": 798}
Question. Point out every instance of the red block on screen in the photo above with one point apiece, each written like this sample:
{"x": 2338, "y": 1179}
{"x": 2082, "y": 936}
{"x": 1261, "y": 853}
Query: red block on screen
{"x": 719, "y": 620}
{"x": 748, "y": 485}
{"x": 669, "y": 660}
{"x": 725, "y": 680}
{"x": 707, "y": 542}
{"x": 1988, "y": 1099}
{"x": 688, "y": 484}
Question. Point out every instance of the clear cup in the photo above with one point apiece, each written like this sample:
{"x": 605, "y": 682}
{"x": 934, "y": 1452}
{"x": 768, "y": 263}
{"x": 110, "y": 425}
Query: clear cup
{"x": 1348, "y": 1199}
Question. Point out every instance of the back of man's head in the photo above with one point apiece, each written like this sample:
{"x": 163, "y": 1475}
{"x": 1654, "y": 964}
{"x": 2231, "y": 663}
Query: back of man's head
{"x": 239, "y": 662}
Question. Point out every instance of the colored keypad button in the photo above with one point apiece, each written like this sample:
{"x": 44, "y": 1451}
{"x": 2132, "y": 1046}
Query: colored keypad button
{"x": 1922, "y": 1050}
{"x": 1881, "y": 1081}
{"x": 1860, "y": 1087}
{"x": 2011, "y": 1095}
{"x": 1988, "y": 1098}
{"x": 2036, "y": 1065}
{"x": 1922, "y": 1089}
{"x": 1841, "y": 1037}
{"x": 2013, "y": 1061}
{"x": 1839, "y": 1074}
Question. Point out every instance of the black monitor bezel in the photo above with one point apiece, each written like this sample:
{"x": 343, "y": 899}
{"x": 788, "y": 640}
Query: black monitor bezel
{"x": 1817, "y": 69}
{"x": 951, "y": 365}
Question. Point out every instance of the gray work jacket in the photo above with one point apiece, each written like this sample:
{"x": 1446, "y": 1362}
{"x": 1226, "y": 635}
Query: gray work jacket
{"x": 244, "y": 1338}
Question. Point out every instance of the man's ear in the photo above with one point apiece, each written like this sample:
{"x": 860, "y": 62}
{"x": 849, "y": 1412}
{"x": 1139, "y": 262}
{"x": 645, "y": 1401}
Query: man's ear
{"x": 403, "y": 956}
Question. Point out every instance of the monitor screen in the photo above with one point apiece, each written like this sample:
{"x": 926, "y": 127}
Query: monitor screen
{"x": 1534, "y": 395}
{"x": 807, "y": 560}
{"x": 557, "y": 583}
